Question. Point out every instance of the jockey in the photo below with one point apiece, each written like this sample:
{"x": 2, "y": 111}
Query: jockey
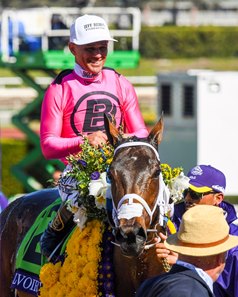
{"x": 74, "y": 106}
{"x": 207, "y": 186}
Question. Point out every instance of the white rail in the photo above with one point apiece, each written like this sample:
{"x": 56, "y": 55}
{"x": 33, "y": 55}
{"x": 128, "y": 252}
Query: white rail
{"x": 37, "y": 23}
{"x": 17, "y": 81}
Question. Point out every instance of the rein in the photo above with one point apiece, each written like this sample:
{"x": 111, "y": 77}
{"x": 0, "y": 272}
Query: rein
{"x": 133, "y": 209}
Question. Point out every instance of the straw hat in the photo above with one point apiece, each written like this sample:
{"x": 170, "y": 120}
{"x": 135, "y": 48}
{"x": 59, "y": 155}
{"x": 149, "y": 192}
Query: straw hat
{"x": 203, "y": 232}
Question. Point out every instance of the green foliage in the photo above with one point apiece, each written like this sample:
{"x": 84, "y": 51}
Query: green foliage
{"x": 13, "y": 151}
{"x": 88, "y": 170}
{"x": 189, "y": 42}
{"x": 89, "y": 162}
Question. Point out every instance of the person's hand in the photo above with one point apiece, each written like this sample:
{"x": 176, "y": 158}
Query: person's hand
{"x": 97, "y": 139}
{"x": 162, "y": 252}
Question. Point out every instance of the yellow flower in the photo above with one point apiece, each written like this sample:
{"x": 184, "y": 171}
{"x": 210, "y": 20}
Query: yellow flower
{"x": 95, "y": 238}
{"x": 91, "y": 269}
{"x": 169, "y": 173}
{"x": 79, "y": 272}
{"x": 109, "y": 161}
{"x": 57, "y": 290}
{"x": 83, "y": 249}
{"x": 106, "y": 152}
{"x": 75, "y": 293}
{"x": 93, "y": 254}
{"x": 53, "y": 271}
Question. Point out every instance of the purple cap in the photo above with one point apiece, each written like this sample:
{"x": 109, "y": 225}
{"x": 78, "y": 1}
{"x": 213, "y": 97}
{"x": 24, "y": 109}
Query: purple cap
{"x": 205, "y": 178}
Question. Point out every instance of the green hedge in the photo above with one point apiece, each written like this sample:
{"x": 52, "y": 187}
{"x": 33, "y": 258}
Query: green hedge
{"x": 188, "y": 42}
{"x": 13, "y": 151}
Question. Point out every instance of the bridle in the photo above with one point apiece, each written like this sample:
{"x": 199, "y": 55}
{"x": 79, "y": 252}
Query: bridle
{"x": 133, "y": 209}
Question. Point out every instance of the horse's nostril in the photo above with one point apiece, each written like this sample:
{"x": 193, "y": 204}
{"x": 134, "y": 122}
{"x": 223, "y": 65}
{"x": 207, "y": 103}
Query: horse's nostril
{"x": 142, "y": 233}
{"x": 130, "y": 235}
{"x": 119, "y": 236}
{"x": 125, "y": 236}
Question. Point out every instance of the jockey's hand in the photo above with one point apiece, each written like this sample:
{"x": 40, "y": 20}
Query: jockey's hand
{"x": 97, "y": 139}
{"x": 162, "y": 252}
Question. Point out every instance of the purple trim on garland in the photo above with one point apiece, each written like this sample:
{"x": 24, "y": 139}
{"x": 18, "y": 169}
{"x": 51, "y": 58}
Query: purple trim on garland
{"x": 105, "y": 271}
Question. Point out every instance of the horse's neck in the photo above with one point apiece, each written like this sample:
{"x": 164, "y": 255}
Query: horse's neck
{"x": 23, "y": 294}
{"x": 149, "y": 264}
{"x": 131, "y": 272}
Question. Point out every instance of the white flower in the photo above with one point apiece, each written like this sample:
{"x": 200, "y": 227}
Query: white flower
{"x": 177, "y": 187}
{"x": 98, "y": 189}
{"x": 100, "y": 202}
{"x": 80, "y": 217}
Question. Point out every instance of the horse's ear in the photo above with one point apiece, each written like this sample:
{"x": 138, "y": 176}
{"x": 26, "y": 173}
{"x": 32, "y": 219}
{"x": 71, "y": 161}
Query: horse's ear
{"x": 112, "y": 132}
{"x": 156, "y": 134}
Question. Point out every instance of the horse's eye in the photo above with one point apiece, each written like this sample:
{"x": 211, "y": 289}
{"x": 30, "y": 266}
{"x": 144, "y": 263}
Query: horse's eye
{"x": 157, "y": 173}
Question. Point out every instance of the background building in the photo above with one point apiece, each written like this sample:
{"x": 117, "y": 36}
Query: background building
{"x": 200, "y": 109}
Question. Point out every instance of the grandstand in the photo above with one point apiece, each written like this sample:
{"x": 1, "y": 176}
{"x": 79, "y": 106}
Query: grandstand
{"x": 44, "y": 33}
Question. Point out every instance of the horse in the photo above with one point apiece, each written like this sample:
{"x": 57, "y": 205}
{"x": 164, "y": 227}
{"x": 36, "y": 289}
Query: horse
{"x": 135, "y": 177}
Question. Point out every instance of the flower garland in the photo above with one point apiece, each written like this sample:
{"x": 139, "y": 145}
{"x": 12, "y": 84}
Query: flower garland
{"x": 79, "y": 271}
{"x": 88, "y": 265}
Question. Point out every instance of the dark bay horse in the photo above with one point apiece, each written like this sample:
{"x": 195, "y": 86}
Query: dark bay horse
{"x": 135, "y": 176}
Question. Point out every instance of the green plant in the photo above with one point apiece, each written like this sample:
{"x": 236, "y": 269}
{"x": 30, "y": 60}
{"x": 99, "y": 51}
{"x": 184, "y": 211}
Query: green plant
{"x": 180, "y": 42}
{"x": 13, "y": 151}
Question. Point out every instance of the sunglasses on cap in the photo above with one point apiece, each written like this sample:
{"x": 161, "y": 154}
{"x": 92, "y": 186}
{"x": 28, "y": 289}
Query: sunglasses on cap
{"x": 195, "y": 195}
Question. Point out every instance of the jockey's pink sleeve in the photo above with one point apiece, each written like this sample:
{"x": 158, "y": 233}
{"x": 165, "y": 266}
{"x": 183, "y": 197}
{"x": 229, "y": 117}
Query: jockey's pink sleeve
{"x": 73, "y": 107}
{"x": 53, "y": 144}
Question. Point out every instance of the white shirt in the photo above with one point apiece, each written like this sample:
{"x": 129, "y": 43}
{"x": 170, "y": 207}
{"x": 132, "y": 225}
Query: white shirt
{"x": 208, "y": 280}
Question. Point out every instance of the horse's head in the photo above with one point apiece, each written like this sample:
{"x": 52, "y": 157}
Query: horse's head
{"x": 136, "y": 180}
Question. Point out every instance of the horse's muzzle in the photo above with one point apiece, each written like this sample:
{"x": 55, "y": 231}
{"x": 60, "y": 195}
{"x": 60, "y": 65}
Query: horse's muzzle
{"x": 131, "y": 239}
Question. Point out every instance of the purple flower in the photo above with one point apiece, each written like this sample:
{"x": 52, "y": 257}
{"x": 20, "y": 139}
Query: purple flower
{"x": 82, "y": 162}
{"x": 95, "y": 175}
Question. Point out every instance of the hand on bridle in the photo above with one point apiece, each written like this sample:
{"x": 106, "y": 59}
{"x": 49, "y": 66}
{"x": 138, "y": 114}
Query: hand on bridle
{"x": 163, "y": 253}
